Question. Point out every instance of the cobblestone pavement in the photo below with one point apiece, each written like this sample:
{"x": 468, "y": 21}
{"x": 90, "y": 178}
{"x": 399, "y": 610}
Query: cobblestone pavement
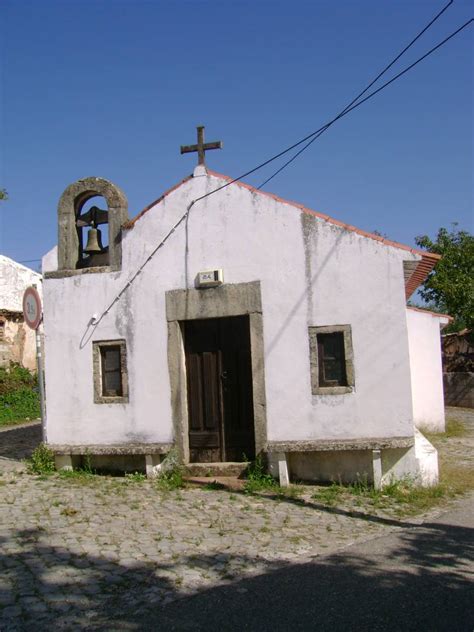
{"x": 98, "y": 553}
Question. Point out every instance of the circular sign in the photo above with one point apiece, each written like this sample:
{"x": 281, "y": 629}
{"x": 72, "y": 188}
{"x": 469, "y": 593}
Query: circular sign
{"x": 32, "y": 307}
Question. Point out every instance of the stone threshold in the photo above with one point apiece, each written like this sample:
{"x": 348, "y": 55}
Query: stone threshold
{"x": 209, "y": 470}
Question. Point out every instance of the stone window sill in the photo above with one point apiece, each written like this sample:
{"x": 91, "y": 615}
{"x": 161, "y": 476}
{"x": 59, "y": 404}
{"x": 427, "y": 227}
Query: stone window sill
{"x": 102, "y": 399}
{"x": 333, "y": 390}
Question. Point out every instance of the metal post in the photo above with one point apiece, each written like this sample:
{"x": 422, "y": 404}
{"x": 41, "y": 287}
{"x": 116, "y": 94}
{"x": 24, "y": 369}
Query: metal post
{"x": 39, "y": 360}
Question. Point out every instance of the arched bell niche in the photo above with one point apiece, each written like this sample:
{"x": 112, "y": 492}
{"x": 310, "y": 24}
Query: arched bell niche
{"x": 92, "y": 224}
{"x": 91, "y": 213}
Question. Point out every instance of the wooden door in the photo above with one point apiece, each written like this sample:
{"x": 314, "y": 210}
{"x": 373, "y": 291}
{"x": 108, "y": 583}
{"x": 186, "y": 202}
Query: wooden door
{"x": 219, "y": 381}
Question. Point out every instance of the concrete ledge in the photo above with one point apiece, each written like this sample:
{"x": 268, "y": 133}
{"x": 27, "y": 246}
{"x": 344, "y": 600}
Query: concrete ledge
{"x": 109, "y": 450}
{"x": 327, "y": 445}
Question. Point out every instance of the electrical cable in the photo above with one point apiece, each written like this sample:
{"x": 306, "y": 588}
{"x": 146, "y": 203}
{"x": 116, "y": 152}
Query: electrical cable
{"x": 353, "y": 107}
{"x": 318, "y": 134}
{"x": 96, "y": 321}
{"x": 347, "y": 110}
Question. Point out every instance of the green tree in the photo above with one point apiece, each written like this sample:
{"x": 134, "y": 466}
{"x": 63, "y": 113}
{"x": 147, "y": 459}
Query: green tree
{"x": 3, "y": 194}
{"x": 450, "y": 286}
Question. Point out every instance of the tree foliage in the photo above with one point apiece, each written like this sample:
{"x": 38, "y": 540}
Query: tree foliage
{"x": 450, "y": 286}
{"x": 3, "y": 194}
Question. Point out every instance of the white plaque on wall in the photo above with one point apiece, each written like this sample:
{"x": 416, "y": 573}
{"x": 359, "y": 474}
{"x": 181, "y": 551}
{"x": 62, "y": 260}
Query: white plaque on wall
{"x": 210, "y": 278}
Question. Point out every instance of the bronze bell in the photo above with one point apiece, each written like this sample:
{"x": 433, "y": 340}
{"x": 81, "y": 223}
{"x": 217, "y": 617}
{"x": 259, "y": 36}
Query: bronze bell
{"x": 94, "y": 241}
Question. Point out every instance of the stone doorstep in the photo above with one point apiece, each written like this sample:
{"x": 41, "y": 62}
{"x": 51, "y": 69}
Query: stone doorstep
{"x": 209, "y": 470}
{"x": 230, "y": 483}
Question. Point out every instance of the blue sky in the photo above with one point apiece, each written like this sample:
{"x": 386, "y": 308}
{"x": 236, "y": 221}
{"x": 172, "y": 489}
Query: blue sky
{"x": 113, "y": 88}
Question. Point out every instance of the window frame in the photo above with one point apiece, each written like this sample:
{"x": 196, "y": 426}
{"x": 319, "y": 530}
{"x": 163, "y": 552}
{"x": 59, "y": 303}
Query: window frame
{"x": 98, "y": 347}
{"x": 316, "y": 387}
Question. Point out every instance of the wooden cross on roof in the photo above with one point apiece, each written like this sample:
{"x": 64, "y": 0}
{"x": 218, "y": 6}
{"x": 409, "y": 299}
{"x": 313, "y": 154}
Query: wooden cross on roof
{"x": 201, "y": 146}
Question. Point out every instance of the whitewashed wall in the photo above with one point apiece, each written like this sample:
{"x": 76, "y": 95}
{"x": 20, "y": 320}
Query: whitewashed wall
{"x": 426, "y": 369}
{"x": 311, "y": 273}
{"x": 14, "y": 279}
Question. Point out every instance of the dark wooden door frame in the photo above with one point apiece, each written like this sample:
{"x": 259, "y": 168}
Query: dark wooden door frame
{"x": 228, "y": 300}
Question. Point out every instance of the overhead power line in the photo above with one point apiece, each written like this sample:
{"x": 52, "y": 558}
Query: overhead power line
{"x": 95, "y": 322}
{"x": 318, "y": 134}
{"x": 355, "y": 103}
{"x": 344, "y": 113}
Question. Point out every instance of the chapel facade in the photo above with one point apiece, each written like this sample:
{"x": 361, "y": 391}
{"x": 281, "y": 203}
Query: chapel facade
{"x": 229, "y": 325}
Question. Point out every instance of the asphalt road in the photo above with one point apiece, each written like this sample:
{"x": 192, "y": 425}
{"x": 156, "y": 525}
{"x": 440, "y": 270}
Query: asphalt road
{"x": 419, "y": 578}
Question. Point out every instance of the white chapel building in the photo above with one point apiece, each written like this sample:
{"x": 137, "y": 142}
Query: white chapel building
{"x": 255, "y": 327}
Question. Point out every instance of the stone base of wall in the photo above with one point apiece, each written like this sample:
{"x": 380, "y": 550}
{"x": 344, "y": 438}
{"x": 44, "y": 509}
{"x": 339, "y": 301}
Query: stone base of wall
{"x": 377, "y": 467}
{"x": 344, "y": 466}
{"x": 126, "y": 458}
{"x": 350, "y": 466}
{"x": 113, "y": 464}
{"x": 459, "y": 389}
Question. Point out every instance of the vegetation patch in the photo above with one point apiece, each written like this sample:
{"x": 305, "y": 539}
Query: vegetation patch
{"x": 258, "y": 478}
{"x": 456, "y": 479}
{"x": 171, "y": 475}
{"x": 329, "y": 495}
{"x": 171, "y": 480}
{"x": 19, "y": 397}
{"x": 403, "y": 497}
{"x": 135, "y": 477}
{"x": 84, "y": 472}
{"x": 69, "y": 511}
{"x": 41, "y": 461}
{"x": 454, "y": 428}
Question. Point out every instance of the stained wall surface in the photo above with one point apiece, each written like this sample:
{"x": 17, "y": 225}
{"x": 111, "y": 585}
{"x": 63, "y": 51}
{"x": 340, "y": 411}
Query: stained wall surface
{"x": 312, "y": 273}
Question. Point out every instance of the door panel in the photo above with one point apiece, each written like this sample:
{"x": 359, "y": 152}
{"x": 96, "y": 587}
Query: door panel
{"x": 219, "y": 379}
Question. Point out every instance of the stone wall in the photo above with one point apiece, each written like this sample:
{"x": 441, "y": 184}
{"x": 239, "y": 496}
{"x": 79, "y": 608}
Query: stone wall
{"x": 17, "y": 343}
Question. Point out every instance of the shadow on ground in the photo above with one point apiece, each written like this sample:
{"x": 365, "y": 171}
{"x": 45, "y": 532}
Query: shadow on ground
{"x": 19, "y": 443}
{"x": 417, "y": 579}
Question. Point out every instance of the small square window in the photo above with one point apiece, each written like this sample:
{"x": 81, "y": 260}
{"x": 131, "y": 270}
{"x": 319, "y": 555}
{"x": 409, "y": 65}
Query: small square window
{"x": 332, "y": 369}
{"x": 331, "y": 359}
{"x": 110, "y": 372}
